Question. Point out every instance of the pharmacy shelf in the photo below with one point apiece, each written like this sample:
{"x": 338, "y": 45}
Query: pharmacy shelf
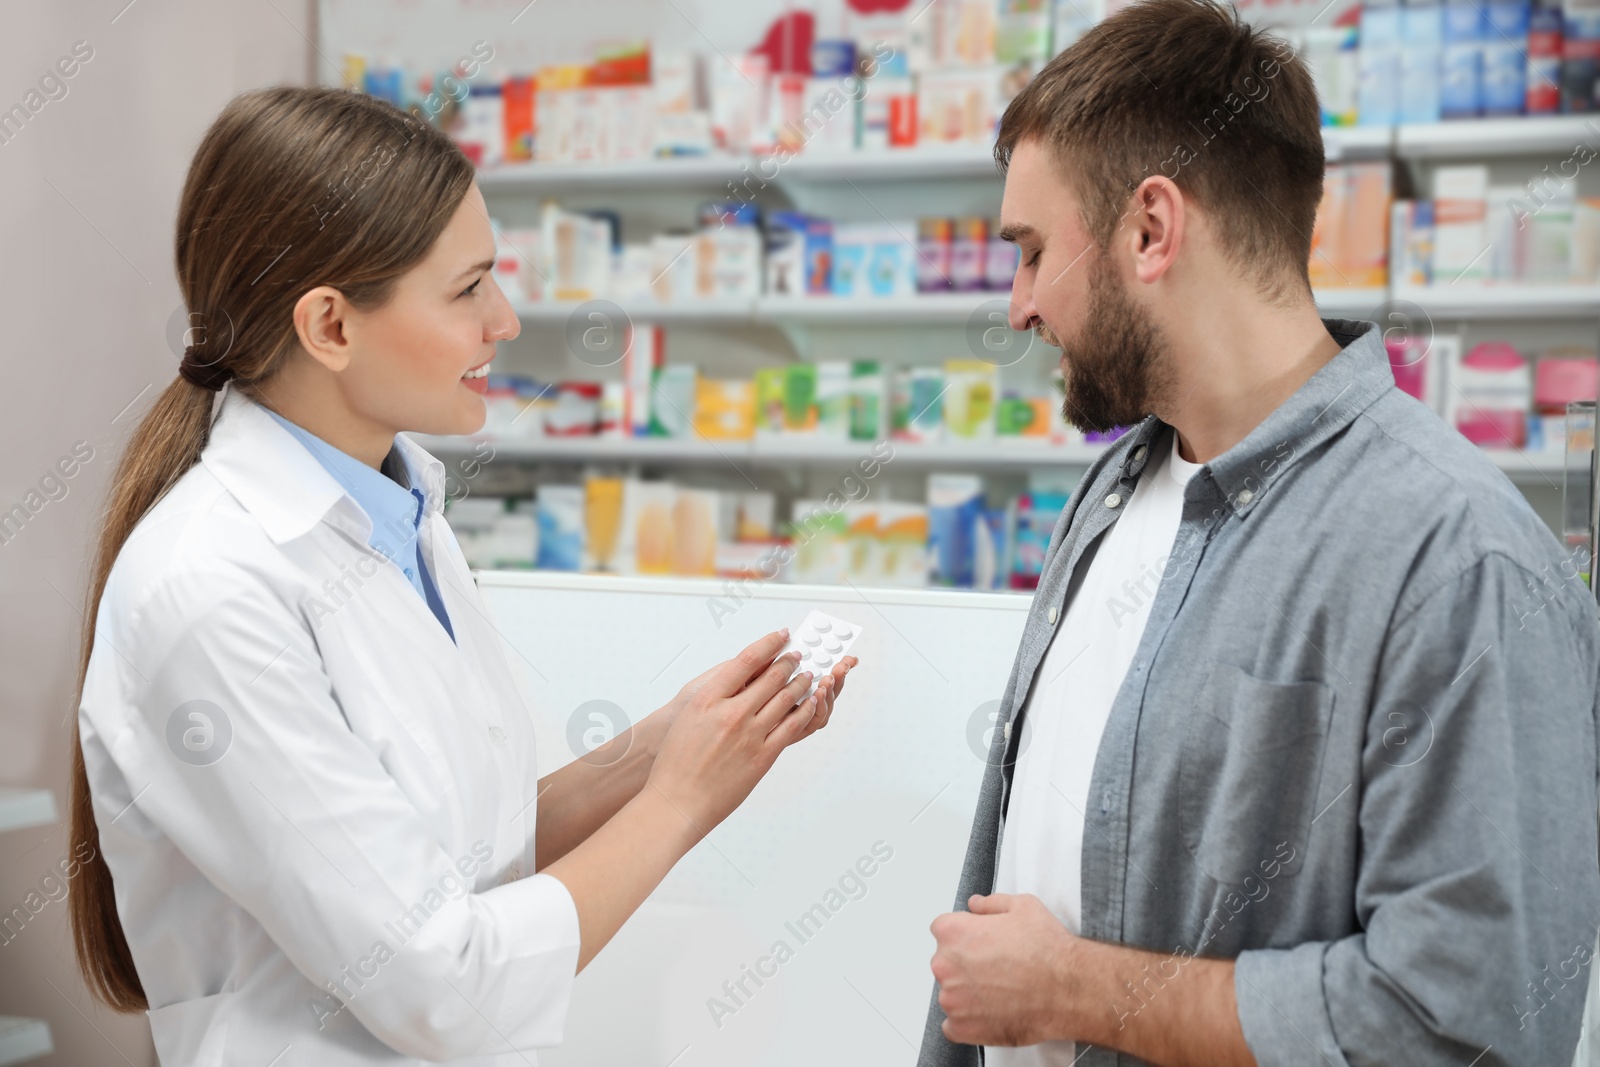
{"x": 929, "y": 307}
{"x": 1347, "y": 303}
{"x": 741, "y": 310}
{"x": 926, "y": 308}
{"x": 1477, "y": 301}
{"x": 1342, "y": 143}
{"x": 22, "y": 808}
{"x": 1473, "y": 138}
{"x": 1000, "y": 453}
{"x": 685, "y": 170}
{"x": 923, "y": 308}
{"x": 902, "y": 164}
{"x": 1482, "y": 138}
{"x": 895, "y": 164}
{"x": 768, "y": 451}
{"x": 22, "y": 1040}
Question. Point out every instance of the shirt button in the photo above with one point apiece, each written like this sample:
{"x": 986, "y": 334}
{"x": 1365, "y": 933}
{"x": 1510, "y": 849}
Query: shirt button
{"x": 408, "y": 572}
{"x": 498, "y": 736}
{"x": 1006, "y": 731}
{"x": 1138, "y": 453}
{"x": 1245, "y": 496}
{"x": 1113, "y": 500}
{"x": 1052, "y": 616}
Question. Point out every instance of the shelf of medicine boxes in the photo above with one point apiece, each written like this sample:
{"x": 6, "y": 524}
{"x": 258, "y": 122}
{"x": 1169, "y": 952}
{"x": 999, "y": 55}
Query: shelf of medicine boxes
{"x": 926, "y": 308}
{"x": 1529, "y": 467}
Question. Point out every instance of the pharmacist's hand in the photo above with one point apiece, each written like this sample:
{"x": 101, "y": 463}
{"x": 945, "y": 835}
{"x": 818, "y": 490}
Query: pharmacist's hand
{"x": 732, "y": 723}
{"x": 828, "y": 691}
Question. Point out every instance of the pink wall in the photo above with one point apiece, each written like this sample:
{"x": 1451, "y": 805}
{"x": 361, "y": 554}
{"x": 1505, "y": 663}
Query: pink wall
{"x": 88, "y": 192}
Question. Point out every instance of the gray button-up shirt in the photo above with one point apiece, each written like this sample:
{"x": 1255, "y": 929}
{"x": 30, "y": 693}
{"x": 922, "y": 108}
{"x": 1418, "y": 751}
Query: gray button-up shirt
{"x": 1356, "y": 748}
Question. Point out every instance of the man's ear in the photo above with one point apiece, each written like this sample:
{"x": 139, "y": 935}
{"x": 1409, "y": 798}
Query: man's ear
{"x": 1155, "y": 227}
{"x": 321, "y": 319}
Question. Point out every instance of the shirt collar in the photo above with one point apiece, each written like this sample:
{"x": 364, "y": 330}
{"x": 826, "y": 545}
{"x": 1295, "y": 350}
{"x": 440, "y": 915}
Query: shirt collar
{"x": 1325, "y": 404}
{"x": 395, "y": 509}
{"x": 289, "y": 486}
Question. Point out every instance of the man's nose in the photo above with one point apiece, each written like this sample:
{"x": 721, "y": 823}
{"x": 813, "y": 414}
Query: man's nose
{"x": 1021, "y": 313}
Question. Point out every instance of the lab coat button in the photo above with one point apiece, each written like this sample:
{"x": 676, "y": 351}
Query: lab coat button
{"x": 1113, "y": 500}
{"x": 498, "y": 736}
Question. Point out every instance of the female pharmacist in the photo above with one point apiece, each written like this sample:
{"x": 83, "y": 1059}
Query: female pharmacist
{"x": 304, "y": 769}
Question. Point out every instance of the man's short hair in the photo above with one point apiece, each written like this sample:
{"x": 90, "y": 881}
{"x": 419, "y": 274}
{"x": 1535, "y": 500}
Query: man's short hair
{"x": 1185, "y": 89}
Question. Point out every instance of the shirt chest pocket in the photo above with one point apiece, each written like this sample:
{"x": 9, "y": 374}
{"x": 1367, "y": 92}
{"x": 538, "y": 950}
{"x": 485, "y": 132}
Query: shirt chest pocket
{"x": 1250, "y": 769}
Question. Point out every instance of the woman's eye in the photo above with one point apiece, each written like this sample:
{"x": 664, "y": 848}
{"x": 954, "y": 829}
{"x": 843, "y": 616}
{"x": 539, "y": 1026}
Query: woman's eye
{"x": 469, "y": 290}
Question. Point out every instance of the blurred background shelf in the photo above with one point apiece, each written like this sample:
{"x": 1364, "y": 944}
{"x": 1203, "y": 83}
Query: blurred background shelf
{"x": 1351, "y": 303}
{"x": 1478, "y": 138}
{"x": 1505, "y": 301}
{"x": 22, "y": 808}
{"x": 918, "y": 164}
{"x": 1340, "y": 143}
{"x": 998, "y": 453}
{"x": 1484, "y": 138}
{"x": 22, "y": 1040}
{"x": 1464, "y": 301}
{"x": 925, "y": 308}
{"x": 768, "y": 452}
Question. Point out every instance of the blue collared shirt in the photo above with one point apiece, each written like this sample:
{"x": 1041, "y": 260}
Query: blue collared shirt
{"x": 391, "y": 501}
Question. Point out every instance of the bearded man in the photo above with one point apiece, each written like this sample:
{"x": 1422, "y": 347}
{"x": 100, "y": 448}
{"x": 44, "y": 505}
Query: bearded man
{"x": 1298, "y": 760}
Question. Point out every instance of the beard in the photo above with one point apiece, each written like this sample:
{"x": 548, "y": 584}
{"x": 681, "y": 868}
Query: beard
{"x": 1118, "y": 367}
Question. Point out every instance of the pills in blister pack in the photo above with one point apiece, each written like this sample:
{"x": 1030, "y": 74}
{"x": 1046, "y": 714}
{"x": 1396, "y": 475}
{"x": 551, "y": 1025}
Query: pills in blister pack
{"x": 823, "y": 641}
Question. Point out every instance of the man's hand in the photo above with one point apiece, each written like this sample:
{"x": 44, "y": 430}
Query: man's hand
{"x": 1010, "y": 973}
{"x": 1000, "y": 967}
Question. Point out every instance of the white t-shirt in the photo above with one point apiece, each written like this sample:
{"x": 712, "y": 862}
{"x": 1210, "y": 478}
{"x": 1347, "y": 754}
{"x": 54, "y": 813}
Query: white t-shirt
{"x": 1108, "y": 603}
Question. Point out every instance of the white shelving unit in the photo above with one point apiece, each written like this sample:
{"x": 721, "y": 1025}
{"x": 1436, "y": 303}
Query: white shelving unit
{"x": 925, "y": 308}
{"x": 1505, "y": 301}
{"x": 1487, "y": 138}
{"x": 782, "y": 451}
{"x": 997, "y": 453}
{"x": 21, "y": 1039}
{"x": 22, "y": 808}
{"x": 906, "y": 164}
{"x": 1481, "y": 138}
{"x": 1341, "y": 143}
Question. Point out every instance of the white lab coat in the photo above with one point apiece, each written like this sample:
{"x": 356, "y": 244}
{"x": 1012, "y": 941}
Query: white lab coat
{"x": 354, "y": 803}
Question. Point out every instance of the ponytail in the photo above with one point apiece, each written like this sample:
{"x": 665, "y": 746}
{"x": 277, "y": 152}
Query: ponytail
{"x": 166, "y": 444}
